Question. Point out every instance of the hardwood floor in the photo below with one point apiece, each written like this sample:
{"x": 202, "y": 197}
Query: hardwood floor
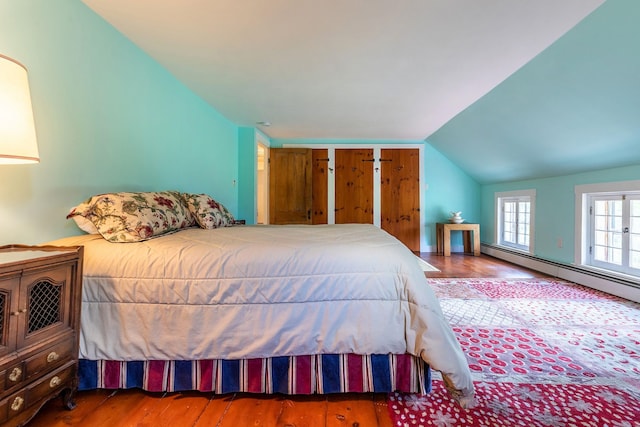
{"x": 138, "y": 408}
{"x": 467, "y": 266}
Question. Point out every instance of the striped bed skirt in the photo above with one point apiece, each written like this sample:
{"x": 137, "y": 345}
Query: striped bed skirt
{"x": 316, "y": 374}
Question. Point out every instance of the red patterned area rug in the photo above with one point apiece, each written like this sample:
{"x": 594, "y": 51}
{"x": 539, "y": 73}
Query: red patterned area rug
{"x": 542, "y": 353}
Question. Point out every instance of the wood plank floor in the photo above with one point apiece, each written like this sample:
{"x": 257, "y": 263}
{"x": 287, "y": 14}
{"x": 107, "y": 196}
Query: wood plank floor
{"x": 138, "y": 408}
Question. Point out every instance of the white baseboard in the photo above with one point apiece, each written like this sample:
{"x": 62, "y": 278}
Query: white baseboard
{"x": 621, "y": 287}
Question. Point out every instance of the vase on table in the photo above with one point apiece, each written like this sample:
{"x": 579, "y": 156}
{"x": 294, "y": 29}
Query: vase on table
{"x": 456, "y": 218}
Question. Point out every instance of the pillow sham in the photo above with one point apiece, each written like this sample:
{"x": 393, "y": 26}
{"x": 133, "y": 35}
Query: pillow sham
{"x": 207, "y": 212}
{"x": 135, "y": 217}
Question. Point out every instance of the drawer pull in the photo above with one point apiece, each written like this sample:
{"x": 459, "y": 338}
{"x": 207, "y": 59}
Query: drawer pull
{"x": 17, "y": 403}
{"x": 55, "y": 382}
{"x": 15, "y": 375}
{"x": 52, "y": 357}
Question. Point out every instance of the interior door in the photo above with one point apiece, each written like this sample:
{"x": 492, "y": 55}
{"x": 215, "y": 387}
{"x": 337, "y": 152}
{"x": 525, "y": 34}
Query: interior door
{"x": 400, "y": 195}
{"x": 290, "y": 186}
{"x": 354, "y": 186}
{"x": 262, "y": 190}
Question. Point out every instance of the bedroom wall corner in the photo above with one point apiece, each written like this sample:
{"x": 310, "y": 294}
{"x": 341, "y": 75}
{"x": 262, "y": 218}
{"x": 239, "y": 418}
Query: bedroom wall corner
{"x": 108, "y": 118}
{"x": 449, "y": 189}
{"x": 248, "y": 189}
{"x": 246, "y": 174}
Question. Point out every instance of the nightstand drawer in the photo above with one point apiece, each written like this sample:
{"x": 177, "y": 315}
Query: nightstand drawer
{"x": 50, "y": 358}
{"x": 51, "y": 384}
{"x": 12, "y": 406}
{"x": 14, "y": 375}
{"x": 15, "y": 408}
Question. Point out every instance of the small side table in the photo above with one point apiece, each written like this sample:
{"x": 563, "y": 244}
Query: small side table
{"x": 443, "y": 237}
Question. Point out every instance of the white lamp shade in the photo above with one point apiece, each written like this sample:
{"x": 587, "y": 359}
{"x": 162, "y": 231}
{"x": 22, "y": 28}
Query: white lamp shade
{"x": 17, "y": 130}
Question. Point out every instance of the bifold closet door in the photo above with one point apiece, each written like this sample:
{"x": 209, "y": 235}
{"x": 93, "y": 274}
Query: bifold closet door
{"x": 300, "y": 183}
{"x": 354, "y": 186}
{"x": 400, "y": 195}
{"x": 290, "y": 186}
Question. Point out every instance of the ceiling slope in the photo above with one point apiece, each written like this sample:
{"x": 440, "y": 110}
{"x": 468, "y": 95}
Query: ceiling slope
{"x": 381, "y": 69}
{"x": 574, "y": 108}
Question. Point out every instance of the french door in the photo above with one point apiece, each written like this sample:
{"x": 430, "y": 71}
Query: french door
{"x": 615, "y": 232}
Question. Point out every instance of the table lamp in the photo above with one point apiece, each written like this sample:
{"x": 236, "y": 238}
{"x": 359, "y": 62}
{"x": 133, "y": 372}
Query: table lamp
{"x": 17, "y": 130}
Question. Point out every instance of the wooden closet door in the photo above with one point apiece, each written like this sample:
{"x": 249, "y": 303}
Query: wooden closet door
{"x": 290, "y": 186}
{"x": 354, "y": 186}
{"x": 400, "y": 195}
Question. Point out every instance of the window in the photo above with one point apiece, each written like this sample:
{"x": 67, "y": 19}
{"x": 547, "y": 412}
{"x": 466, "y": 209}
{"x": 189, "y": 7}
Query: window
{"x": 608, "y": 226}
{"x": 615, "y": 232}
{"x": 514, "y": 219}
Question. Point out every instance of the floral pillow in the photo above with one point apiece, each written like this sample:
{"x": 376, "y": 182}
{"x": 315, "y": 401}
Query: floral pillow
{"x": 134, "y": 217}
{"x": 207, "y": 212}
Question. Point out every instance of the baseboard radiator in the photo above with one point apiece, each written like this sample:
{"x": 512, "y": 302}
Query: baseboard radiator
{"x": 619, "y": 286}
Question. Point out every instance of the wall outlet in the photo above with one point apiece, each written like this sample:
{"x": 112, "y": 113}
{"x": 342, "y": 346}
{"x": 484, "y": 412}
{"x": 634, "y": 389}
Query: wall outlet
{"x": 559, "y": 242}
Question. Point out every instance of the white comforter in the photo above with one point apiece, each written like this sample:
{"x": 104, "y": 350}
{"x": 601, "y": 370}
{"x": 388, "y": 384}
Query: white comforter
{"x": 260, "y": 291}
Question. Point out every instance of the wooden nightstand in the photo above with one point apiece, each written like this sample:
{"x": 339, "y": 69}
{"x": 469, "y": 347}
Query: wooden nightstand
{"x": 40, "y": 297}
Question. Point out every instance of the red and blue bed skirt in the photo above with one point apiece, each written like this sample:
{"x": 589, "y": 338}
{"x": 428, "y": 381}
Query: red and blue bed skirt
{"x": 316, "y": 374}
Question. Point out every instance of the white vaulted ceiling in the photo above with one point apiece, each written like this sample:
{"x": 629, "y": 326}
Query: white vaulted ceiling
{"x": 347, "y": 69}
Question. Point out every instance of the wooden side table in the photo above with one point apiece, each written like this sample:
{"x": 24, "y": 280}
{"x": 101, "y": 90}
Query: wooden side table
{"x": 443, "y": 237}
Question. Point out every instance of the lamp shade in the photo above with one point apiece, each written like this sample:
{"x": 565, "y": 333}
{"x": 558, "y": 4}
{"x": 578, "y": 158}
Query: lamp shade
{"x": 17, "y": 130}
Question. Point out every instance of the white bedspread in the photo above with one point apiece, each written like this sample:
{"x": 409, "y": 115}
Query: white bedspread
{"x": 260, "y": 291}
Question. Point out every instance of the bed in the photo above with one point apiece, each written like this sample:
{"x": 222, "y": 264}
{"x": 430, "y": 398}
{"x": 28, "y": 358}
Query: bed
{"x": 265, "y": 309}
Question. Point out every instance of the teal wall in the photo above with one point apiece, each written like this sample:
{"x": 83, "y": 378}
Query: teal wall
{"x": 555, "y": 208}
{"x": 247, "y": 166}
{"x": 448, "y": 188}
{"x": 108, "y": 118}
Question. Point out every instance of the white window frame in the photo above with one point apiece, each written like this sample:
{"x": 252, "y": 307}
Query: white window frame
{"x": 502, "y": 196}
{"x": 584, "y": 196}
